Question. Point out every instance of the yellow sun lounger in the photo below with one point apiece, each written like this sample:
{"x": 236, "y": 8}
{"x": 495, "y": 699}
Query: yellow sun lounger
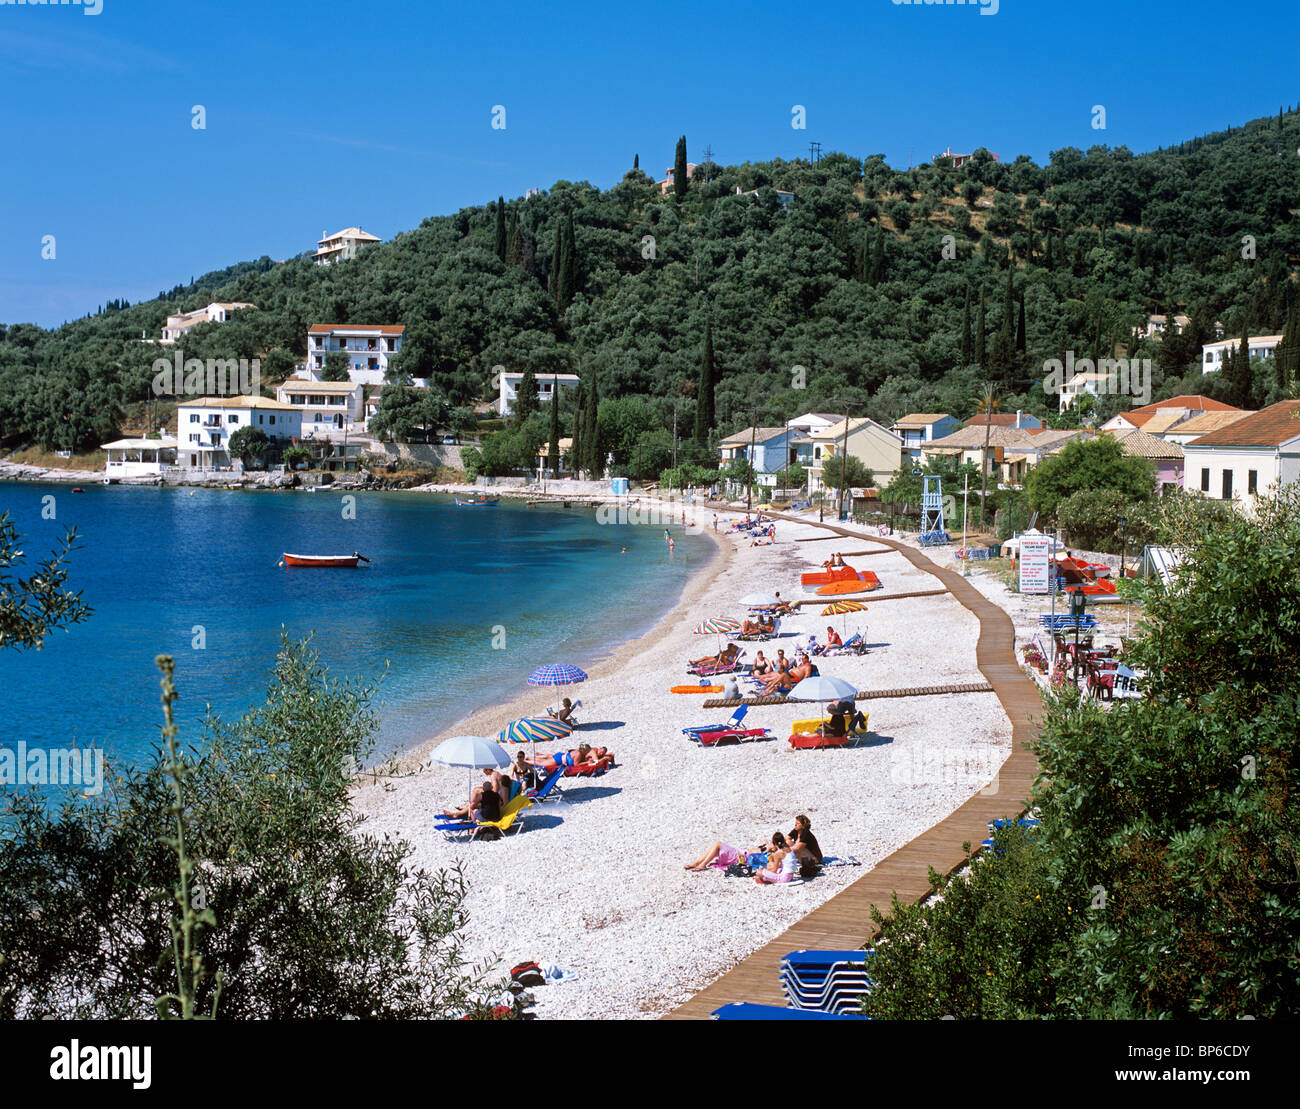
{"x": 512, "y": 814}
{"x": 809, "y": 727}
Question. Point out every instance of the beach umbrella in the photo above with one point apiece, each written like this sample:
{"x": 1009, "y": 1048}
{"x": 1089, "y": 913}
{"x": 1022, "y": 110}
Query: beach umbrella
{"x": 534, "y": 729}
{"x": 759, "y": 600}
{"x": 719, "y": 626}
{"x": 558, "y": 673}
{"x": 841, "y": 608}
{"x": 471, "y": 751}
{"x": 823, "y": 688}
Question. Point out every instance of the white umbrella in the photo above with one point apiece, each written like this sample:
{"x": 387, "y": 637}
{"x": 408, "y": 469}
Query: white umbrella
{"x": 759, "y": 600}
{"x": 822, "y": 688}
{"x": 471, "y": 751}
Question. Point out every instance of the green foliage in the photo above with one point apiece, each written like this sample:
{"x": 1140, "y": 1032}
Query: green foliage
{"x": 249, "y": 445}
{"x": 406, "y": 412}
{"x": 31, "y": 608}
{"x": 525, "y": 405}
{"x": 294, "y": 456}
{"x": 1091, "y": 519}
{"x": 1160, "y": 882}
{"x": 300, "y": 913}
{"x": 1088, "y": 463}
{"x": 847, "y": 472}
{"x": 336, "y": 366}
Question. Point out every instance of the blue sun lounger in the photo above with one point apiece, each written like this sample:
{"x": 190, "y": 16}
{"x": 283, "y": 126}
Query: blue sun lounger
{"x": 552, "y": 784}
{"x": 994, "y": 825}
{"x": 829, "y": 980}
{"x": 748, "y": 1010}
{"x": 731, "y": 725}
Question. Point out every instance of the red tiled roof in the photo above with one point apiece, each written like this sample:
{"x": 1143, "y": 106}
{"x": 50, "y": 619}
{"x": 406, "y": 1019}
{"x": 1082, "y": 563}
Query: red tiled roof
{"x": 382, "y": 329}
{"x": 1194, "y": 401}
{"x": 1270, "y": 427}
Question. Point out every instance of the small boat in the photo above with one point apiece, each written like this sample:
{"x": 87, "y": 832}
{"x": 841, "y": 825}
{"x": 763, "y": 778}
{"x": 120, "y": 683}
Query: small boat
{"x": 77, "y": 489}
{"x": 322, "y": 560}
{"x": 468, "y": 502}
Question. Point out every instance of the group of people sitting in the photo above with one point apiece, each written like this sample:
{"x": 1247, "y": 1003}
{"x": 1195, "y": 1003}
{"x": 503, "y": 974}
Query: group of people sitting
{"x": 764, "y": 625}
{"x": 834, "y": 562}
{"x": 496, "y": 791}
{"x": 779, "y": 675}
{"x": 844, "y": 718}
{"x": 781, "y": 859}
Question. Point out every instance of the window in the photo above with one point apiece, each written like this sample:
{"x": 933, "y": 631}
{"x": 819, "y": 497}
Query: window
{"x": 1227, "y": 485}
{"x": 232, "y": 419}
{"x": 1252, "y": 477}
{"x": 1205, "y": 480}
{"x": 194, "y": 417}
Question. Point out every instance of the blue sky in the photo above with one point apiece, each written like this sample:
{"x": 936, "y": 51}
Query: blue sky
{"x": 326, "y": 115}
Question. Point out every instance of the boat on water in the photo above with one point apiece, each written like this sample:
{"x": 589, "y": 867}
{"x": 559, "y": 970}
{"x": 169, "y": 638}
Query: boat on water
{"x": 475, "y": 502}
{"x": 322, "y": 560}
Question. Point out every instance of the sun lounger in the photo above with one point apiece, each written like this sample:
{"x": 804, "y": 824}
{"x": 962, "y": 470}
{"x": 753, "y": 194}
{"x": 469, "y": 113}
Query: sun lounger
{"x": 994, "y": 825}
{"x": 586, "y": 771}
{"x": 550, "y": 785}
{"x": 730, "y": 735}
{"x": 747, "y": 1010}
{"x": 832, "y": 981}
{"x": 773, "y": 634}
{"x": 737, "y": 718}
{"x": 709, "y": 670}
{"x": 511, "y": 815}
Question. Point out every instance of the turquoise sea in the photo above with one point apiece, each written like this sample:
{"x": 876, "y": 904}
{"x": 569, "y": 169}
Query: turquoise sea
{"x": 544, "y": 584}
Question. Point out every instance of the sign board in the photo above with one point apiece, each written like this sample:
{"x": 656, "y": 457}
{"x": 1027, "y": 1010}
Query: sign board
{"x": 1035, "y": 563}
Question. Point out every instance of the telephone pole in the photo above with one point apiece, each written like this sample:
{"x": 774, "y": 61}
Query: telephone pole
{"x": 814, "y": 152}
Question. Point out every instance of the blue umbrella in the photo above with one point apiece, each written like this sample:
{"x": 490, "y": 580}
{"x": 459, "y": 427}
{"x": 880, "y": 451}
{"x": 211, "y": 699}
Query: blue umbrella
{"x": 558, "y": 673}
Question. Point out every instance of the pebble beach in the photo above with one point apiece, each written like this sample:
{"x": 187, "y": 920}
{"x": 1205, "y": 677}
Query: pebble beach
{"x": 595, "y": 882}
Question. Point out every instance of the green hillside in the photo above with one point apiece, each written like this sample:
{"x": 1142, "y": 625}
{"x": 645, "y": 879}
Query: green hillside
{"x": 850, "y": 281}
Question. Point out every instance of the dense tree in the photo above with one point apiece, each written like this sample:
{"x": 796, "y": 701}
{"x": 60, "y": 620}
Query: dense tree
{"x": 526, "y": 394}
{"x": 1088, "y": 463}
{"x": 704, "y": 417}
{"x": 680, "y": 179}
{"x": 501, "y": 239}
{"x": 336, "y": 366}
{"x": 249, "y": 445}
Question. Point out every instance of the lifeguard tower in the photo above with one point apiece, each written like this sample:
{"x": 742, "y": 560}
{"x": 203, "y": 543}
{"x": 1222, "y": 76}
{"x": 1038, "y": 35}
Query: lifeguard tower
{"x": 932, "y": 529}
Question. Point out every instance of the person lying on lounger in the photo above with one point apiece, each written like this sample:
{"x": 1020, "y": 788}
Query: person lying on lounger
{"x": 583, "y": 757}
{"x": 722, "y": 659}
{"x": 783, "y": 608}
{"x": 783, "y": 683}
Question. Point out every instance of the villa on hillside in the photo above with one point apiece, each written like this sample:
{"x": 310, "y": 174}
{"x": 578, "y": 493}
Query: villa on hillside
{"x": 330, "y": 409}
{"x": 342, "y": 245}
{"x": 1260, "y": 346}
{"x": 216, "y": 312}
{"x": 368, "y": 347}
{"x": 959, "y": 160}
{"x": 1249, "y": 458}
{"x": 1155, "y": 325}
{"x": 1160, "y": 417}
{"x": 204, "y": 427}
{"x": 665, "y": 186}
{"x": 1203, "y": 423}
{"x": 509, "y": 389}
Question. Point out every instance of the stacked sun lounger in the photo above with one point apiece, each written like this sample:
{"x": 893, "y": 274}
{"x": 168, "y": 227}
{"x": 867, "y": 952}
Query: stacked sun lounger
{"x": 1063, "y": 622}
{"x": 828, "y": 981}
{"x": 994, "y": 825}
{"x": 747, "y": 1010}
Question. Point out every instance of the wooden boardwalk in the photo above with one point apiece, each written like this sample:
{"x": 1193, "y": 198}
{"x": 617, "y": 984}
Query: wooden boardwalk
{"x": 861, "y": 695}
{"x": 844, "y": 922}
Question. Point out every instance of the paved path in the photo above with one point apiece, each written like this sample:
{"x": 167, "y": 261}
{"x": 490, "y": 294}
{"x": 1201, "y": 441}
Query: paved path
{"x": 844, "y": 922}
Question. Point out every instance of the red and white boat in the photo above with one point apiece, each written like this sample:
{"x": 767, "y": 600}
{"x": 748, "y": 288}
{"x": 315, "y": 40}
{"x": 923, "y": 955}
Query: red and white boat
{"x": 322, "y": 560}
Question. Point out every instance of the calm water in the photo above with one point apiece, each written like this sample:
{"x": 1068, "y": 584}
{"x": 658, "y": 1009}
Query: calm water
{"x": 155, "y": 563}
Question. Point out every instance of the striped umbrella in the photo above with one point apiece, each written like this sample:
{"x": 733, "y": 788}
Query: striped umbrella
{"x": 534, "y": 729}
{"x": 558, "y": 673}
{"x": 719, "y": 626}
{"x": 840, "y": 608}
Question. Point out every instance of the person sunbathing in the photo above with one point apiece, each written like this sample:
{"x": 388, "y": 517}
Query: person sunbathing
{"x": 805, "y": 847}
{"x": 722, "y": 659}
{"x": 583, "y": 757}
{"x": 750, "y": 627}
{"x": 783, "y": 608}
{"x": 563, "y": 713}
{"x": 833, "y": 639}
{"x": 485, "y": 803}
{"x": 783, "y": 683}
{"x": 723, "y": 855}
{"x": 761, "y": 665}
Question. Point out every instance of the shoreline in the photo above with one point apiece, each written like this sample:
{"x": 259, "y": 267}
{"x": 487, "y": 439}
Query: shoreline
{"x": 488, "y": 720}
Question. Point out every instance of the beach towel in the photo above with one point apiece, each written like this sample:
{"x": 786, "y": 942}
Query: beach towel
{"x": 552, "y": 973}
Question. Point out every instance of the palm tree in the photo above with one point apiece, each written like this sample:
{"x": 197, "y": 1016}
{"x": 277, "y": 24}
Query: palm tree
{"x": 988, "y": 405}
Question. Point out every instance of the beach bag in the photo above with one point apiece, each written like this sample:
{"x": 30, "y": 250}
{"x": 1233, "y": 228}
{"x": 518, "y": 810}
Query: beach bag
{"x": 739, "y": 870}
{"x": 527, "y": 974}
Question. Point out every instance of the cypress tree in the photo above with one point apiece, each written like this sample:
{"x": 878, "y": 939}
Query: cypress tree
{"x": 1020, "y": 327}
{"x": 579, "y": 409}
{"x": 525, "y": 398}
{"x": 501, "y": 228}
{"x": 636, "y": 161}
{"x": 981, "y": 350}
{"x": 704, "y": 398}
{"x": 553, "y": 449}
{"x": 1287, "y": 355}
{"x": 679, "y": 169}
{"x": 591, "y": 431}
{"x": 557, "y": 248}
{"x": 965, "y": 330}
{"x": 1243, "y": 379}
{"x": 569, "y": 281}
{"x": 515, "y": 251}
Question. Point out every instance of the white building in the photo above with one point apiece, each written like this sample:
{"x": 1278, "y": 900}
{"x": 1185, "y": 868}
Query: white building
{"x": 509, "y": 389}
{"x": 216, "y": 312}
{"x": 139, "y": 457}
{"x": 1212, "y": 354}
{"x": 204, "y": 427}
{"x": 342, "y": 245}
{"x": 330, "y": 409}
{"x": 1094, "y": 384}
{"x": 1249, "y": 458}
{"x": 368, "y": 347}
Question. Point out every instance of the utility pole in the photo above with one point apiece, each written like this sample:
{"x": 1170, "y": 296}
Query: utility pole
{"x": 749, "y": 486}
{"x": 675, "y": 435}
{"x": 844, "y": 460}
{"x": 965, "y": 495}
{"x": 814, "y": 152}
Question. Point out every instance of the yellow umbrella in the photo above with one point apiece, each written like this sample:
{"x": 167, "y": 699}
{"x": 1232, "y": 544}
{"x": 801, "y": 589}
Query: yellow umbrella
{"x": 841, "y": 608}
